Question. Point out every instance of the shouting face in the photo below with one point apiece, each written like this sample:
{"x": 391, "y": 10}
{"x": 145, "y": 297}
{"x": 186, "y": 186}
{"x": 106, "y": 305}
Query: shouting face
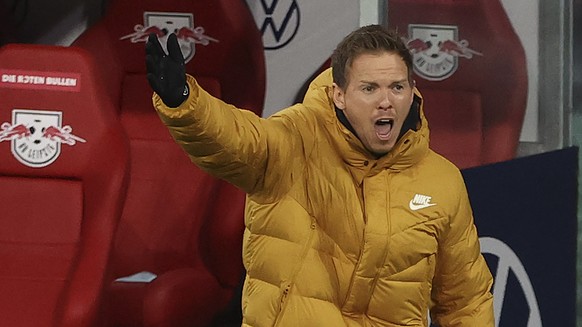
{"x": 376, "y": 99}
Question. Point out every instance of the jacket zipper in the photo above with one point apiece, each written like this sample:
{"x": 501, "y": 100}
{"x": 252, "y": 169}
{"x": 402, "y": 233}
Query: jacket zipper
{"x": 289, "y": 284}
{"x": 352, "y": 281}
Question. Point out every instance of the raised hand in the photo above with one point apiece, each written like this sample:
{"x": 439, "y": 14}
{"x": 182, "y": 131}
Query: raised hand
{"x": 166, "y": 73}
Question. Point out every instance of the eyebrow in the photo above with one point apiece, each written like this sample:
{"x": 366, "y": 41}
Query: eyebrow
{"x": 404, "y": 80}
{"x": 369, "y": 83}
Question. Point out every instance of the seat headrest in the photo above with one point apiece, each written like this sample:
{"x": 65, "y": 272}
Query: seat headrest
{"x": 52, "y": 117}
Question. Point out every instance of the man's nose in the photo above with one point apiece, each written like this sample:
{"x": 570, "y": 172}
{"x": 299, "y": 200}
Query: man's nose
{"x": 385, "y": 100}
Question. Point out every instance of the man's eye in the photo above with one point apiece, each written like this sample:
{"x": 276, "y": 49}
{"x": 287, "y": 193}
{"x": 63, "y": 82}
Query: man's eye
{"x": 398, "y": 87}
{"x": 368, "y": 88}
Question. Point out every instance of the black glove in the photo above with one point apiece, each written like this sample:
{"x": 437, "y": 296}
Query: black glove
{"x": 166, "y": 72}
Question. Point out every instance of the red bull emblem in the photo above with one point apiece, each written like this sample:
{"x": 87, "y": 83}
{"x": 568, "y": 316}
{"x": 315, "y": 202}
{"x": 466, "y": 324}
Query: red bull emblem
{"x": 36, "y": 136}
{"x": 163, "y": 23}
{"x": 436, "y": 50}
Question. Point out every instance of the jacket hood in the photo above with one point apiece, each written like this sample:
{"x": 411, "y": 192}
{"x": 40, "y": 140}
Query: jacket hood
{"x": 410, "y": 148}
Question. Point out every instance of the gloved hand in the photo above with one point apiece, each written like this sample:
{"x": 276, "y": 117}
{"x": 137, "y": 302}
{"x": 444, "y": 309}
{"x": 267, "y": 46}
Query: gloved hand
{"x": 166, "y": 72}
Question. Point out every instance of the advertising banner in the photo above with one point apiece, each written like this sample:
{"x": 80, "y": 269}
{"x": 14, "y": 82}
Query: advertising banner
{"x": 525, "y": 212}
{"x": 299, "y": 36}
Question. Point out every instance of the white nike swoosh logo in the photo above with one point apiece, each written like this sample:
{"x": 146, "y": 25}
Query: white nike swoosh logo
{"x": 413, "y": 206}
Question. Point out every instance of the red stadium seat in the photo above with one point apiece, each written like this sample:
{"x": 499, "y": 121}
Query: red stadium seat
{"x": 179, "y": 224}
{"x": 471, "y": 70}
{"x": 63, "y": 178}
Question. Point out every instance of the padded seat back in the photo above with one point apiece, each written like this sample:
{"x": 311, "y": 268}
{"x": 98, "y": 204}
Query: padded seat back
{"x": 63, "y": 175}
{"x": 471, "y": 70}
{"x": 174, "y": 210}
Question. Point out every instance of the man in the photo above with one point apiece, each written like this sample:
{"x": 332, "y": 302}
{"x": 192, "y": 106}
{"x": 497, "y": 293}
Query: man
{"x": 351, "y": 219}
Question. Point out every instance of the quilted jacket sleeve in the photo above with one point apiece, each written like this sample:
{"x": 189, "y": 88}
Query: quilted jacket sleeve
{"x": 462, "y": 283}
{"x": 234, "y": 144}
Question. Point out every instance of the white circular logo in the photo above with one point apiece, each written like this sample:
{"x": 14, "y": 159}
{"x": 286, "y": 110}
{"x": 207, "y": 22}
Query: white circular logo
{"x": 278, "y": 21}
{"x": 508, "y": 261}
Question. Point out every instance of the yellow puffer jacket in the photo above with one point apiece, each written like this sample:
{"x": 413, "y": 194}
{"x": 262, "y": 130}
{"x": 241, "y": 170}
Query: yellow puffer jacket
{"x": 335, "y": 237}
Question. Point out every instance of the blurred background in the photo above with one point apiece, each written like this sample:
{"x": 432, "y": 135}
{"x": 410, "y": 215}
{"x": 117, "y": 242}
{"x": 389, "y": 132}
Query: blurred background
{"x": 501, "y": 81}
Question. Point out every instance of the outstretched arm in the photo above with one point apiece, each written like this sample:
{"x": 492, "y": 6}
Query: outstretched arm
{"x": 230, "y": 143}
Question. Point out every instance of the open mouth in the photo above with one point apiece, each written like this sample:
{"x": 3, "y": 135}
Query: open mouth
{"x": 383, "y": 127}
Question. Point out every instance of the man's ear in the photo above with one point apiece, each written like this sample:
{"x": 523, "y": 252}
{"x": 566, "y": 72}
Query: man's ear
{"x": 413, "y": 85}
{"x": 339, "y": 97}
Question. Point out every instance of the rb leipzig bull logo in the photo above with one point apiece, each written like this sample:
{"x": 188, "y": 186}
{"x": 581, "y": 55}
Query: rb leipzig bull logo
{"x": 163, "y": 23}
{"x": 36, "y": 136}
{"x": 436, "y": 50}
